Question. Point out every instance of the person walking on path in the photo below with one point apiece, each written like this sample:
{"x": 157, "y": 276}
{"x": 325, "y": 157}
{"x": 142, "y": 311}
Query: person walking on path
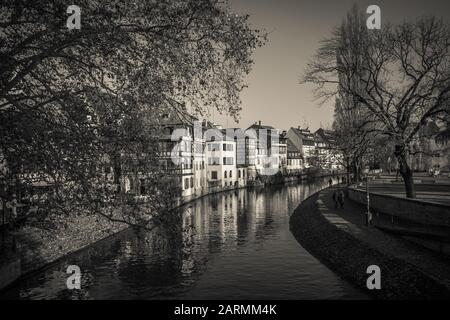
{"x": 340, "y": 198}
{"x": 335, "y": 198}
{"x": 330, "y": 183}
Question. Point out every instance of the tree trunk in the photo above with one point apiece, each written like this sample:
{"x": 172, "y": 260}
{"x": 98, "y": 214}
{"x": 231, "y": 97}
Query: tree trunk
{"x": 348, "y": 171}
{"x": 405, "y": 171}
{"x": 117, "y": 171}
{"x": 356, "y": 170}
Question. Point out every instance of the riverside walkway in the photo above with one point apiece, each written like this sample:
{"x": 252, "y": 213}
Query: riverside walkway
{"x": 340, "y": 238}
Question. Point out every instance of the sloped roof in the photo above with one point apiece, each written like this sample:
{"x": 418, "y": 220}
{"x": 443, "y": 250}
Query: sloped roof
{"x": 292, "y": 148}
{"x": 257, "y": 126}
{"x": 304, "y": 134}
{"x": 325, "y": 135}
{"x": 297, "y": 132}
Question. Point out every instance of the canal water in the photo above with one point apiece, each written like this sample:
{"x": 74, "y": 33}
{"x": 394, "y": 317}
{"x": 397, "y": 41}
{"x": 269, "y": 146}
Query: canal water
{"x": 232, "y": 245}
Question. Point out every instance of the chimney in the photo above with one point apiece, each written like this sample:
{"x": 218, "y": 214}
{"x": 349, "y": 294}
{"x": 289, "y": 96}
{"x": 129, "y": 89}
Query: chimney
{"x": 259, "y": 122}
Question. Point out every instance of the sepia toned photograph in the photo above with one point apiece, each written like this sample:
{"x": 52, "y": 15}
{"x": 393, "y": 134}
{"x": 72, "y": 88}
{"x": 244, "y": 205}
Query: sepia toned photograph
{"x": 208, "y": 151}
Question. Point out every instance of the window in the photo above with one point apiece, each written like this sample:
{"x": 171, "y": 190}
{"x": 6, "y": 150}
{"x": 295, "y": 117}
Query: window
{"x": 214, "y": 175}
{"x": 213, "y": 147}
{"x": 227, "y": 147}
{"x": 228, "y": 160}
{"x": 231, "y": 174}
{"x": 186, "y": 183}
{"x": 225, "y": 174}
{"x": 192, "y": 182}
{"x": 213, "y": 161}
{"x": 239, "y": 173}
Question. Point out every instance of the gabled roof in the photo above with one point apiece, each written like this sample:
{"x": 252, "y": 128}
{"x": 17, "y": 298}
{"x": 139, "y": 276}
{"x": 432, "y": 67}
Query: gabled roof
{"x": 291, "y": 147}
{"x": 304, "y": 134}
{"x": 258, "y": 126}
{"x": 297, "y": 132}
{"x": 325, "y": 135}
{"x": 175, "y": 116}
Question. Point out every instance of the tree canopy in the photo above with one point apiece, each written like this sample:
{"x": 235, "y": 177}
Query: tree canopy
{"x": 393, "y": 80}
{"x": 68, "y": 98}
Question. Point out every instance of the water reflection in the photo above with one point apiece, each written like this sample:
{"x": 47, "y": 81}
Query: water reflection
{"x": 229, "y": 245}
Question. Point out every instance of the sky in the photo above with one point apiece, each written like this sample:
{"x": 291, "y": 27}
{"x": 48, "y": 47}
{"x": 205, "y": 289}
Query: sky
{"x": 295, "y": 29}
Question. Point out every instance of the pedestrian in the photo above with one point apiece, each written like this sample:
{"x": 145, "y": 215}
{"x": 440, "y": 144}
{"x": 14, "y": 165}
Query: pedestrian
{"x": 335, "y": 198}
{"x": 330, "y": 182}
{"x": 340, "y": 197}
{"x": 13, "y": 211}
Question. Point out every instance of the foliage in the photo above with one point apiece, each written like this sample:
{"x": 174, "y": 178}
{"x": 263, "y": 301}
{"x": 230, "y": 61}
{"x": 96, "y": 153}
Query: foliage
{"x": 397, "y": 79}
{"x": 75, "y": 101}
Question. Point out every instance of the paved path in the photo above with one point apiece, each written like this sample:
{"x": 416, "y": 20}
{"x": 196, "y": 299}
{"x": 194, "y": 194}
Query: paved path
{"x": 351, "y": 218}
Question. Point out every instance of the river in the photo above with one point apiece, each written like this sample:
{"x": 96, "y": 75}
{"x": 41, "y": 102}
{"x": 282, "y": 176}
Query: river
{"x": 231, "y": 245}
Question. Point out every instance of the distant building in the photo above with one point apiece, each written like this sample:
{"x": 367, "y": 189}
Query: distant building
{"x": 294, "y": 159}
{"x": 199, "y": 159}
{"x": 180, "y": 146}
{"x": 270, "y": 149}
{"x": 327, "y": 155}
{"x": 221, "y": 161}
{"x": 304, "y": 140}
{"x": 283, "y": 153}
{"x": 430, "y": 148}
{"x": 442, "y": 140}
{"x": 244, "y": 157}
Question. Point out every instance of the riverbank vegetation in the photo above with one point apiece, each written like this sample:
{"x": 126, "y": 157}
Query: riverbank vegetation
{"x": 76, "y": 102}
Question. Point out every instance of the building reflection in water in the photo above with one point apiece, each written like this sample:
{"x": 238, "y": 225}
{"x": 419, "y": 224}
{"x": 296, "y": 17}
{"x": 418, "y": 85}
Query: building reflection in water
{"x": 168, "y": 262}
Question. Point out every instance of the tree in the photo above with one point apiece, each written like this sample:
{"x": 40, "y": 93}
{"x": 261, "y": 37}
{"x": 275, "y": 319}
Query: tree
{"x": 399, "y": 80}
{"x": 73, "y": 101}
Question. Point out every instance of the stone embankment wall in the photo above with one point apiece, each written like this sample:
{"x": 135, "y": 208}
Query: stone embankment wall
{"x": 333, "y": 241}
{"x": 427, "y": 213}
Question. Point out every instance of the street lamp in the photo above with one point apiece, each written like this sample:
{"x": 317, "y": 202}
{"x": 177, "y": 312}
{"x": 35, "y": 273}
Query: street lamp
{"x": 368, "y": 213}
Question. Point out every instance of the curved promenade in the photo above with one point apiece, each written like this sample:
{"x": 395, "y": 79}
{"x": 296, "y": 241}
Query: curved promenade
{"x": 339, "y": 239}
